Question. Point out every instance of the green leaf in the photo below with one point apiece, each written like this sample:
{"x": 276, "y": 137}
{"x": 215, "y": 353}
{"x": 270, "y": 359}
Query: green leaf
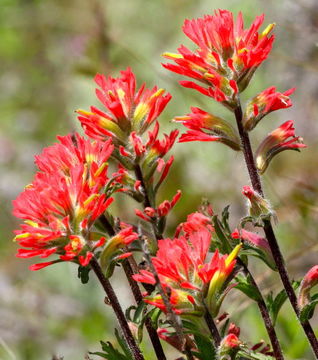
{"x": 83, "y": 273}
{"x": 275, "y": 304}
{"x": 252, "y": 355}
{"x": 308, "y": 311}
{"x": 110, "y": 353}
{"x": 247, "y": 288}
{"x": 123, "y": 345}
{"x": 225, "y": 218}
{"x": 206, "y": 348}
{"x": 220, "y": 233}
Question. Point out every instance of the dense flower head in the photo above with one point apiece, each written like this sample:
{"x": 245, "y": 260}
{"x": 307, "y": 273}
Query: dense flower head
{"x": 226, "y": 57}
{"x": 207, "y": 127}
{"x": 262, "y": 104}
{"x": 127, "y": 109}
{"x": 185, "y": 271}
{"x": 64, "y": 200}
{"x": 282, "y": 138}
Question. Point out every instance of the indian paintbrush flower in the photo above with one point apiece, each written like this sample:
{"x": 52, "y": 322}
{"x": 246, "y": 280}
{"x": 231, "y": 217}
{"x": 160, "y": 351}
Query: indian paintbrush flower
{"x": 207, "y": 127}
{"x": 227, "y": 54}
{"x": 283, "y": 138}
{"x": 63, "y": 202}
{"x": 127, "y": 109}
{"x": 187, "y": 275}
{"x": 267, "y": 101}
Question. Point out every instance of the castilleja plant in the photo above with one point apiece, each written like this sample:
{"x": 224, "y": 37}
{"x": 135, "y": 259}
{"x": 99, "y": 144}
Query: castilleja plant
{"x": 66, "y": 209}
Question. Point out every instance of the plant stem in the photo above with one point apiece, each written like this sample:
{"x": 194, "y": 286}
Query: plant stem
{"x": 147, "y": 200}
{"x": 175, "y": 320}
{"x": 268, "y": 229}
{"x": 136, "y": 353}
{"x": 265, "y": 314}
{"x": 128, "y": 266}
{"x": 212, "y": 327}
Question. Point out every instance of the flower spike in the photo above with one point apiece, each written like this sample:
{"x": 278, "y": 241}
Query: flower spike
{"x": 227, "y": 55}
{"x": 127, "y": 109}
{"x": 64, "y": 201}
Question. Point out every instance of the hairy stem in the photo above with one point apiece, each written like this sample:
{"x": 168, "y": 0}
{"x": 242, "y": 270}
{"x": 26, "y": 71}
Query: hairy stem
{"x": 136, "y": 353}
{"x": 265, "y": 314}
{"x": 129, "y": 265}
{"x": 270, "y": 235}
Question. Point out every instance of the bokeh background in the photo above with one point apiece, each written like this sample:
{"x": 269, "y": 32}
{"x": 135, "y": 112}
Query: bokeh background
{"x": 49, "y": 52}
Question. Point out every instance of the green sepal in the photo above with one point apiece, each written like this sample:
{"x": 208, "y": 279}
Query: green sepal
{"x": 307, "y": 311}
{"x": 83, "y": 273}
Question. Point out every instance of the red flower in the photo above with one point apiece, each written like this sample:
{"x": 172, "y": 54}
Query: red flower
{"x": 267, "y": 101}
{"x": 207, "y": 127}
{"x": 127, "y": 110}
{"x": 183, "y": 268}
{"x": 275, "y": 142}
{"x": 63, "y": 202}
{"x": 227, "y": 54}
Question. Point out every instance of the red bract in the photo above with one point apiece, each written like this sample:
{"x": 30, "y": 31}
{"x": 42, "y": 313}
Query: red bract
{"x": 127, "y": 109}
{"x": 64, "y": 200}
{"x": 267, "y": 101}
{"x": 309, "y": 281}
{"x": 275, "y": 142}
{"x": 227, "y": 54}
{"x": 207, "y": 127}
{"x": 185, "y": 272}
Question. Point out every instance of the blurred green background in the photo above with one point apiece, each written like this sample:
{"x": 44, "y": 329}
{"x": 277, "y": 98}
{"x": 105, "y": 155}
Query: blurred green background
{"x": 49, "y": 52}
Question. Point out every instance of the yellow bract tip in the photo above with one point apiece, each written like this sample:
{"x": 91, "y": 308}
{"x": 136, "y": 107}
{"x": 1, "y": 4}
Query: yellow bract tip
{"x": 233, "y": 254}
{"x": 157, "y": 93}
{"x": 172, "y": 55}
{"x": 268, "y": 29}
{"x": 83, "y": 112}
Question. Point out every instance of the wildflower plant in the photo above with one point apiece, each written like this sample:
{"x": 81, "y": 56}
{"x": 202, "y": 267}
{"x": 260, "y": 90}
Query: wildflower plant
{"x": 180, "y": 284}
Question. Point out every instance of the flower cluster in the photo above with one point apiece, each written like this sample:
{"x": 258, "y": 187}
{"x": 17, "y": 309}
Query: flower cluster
{"x": 127, "y": 110}
{"x": 185, "y": 271}
{"x": 227, "y": 54}
{"x": 64, "y": 200}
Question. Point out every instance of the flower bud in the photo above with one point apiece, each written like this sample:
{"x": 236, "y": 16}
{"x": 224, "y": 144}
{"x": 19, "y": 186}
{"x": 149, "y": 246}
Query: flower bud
{"x": 229, "y": 347}
{"x": 309, "y": 281}
{"x": 257, "y": 205}
{"x": 275, "y": 142}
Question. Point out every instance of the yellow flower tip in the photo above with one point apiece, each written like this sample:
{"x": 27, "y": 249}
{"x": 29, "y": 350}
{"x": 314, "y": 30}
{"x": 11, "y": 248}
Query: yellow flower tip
{"x": 31, "y": 223}
{"x": 233, "y": 254}
{"x": 208, "y": 75}
{"x": 28, "y": 187}
{"x": 21, "y": 236}
{"x": 172, "y": 55}
{"x": 83, "y": 112}
{"x": 121, "y": 93}
{"x": 140, "y": 112}
{"x": 100, "y": 169}
{"x": 268, "y": 29}
{"x": 242, "y": 50}
{"x": 157, "y": 93}
{"x": 90, "y": 199}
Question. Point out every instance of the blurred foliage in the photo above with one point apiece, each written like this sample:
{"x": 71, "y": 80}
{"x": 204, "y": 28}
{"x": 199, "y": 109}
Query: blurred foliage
{"x": 49, "y": 52}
